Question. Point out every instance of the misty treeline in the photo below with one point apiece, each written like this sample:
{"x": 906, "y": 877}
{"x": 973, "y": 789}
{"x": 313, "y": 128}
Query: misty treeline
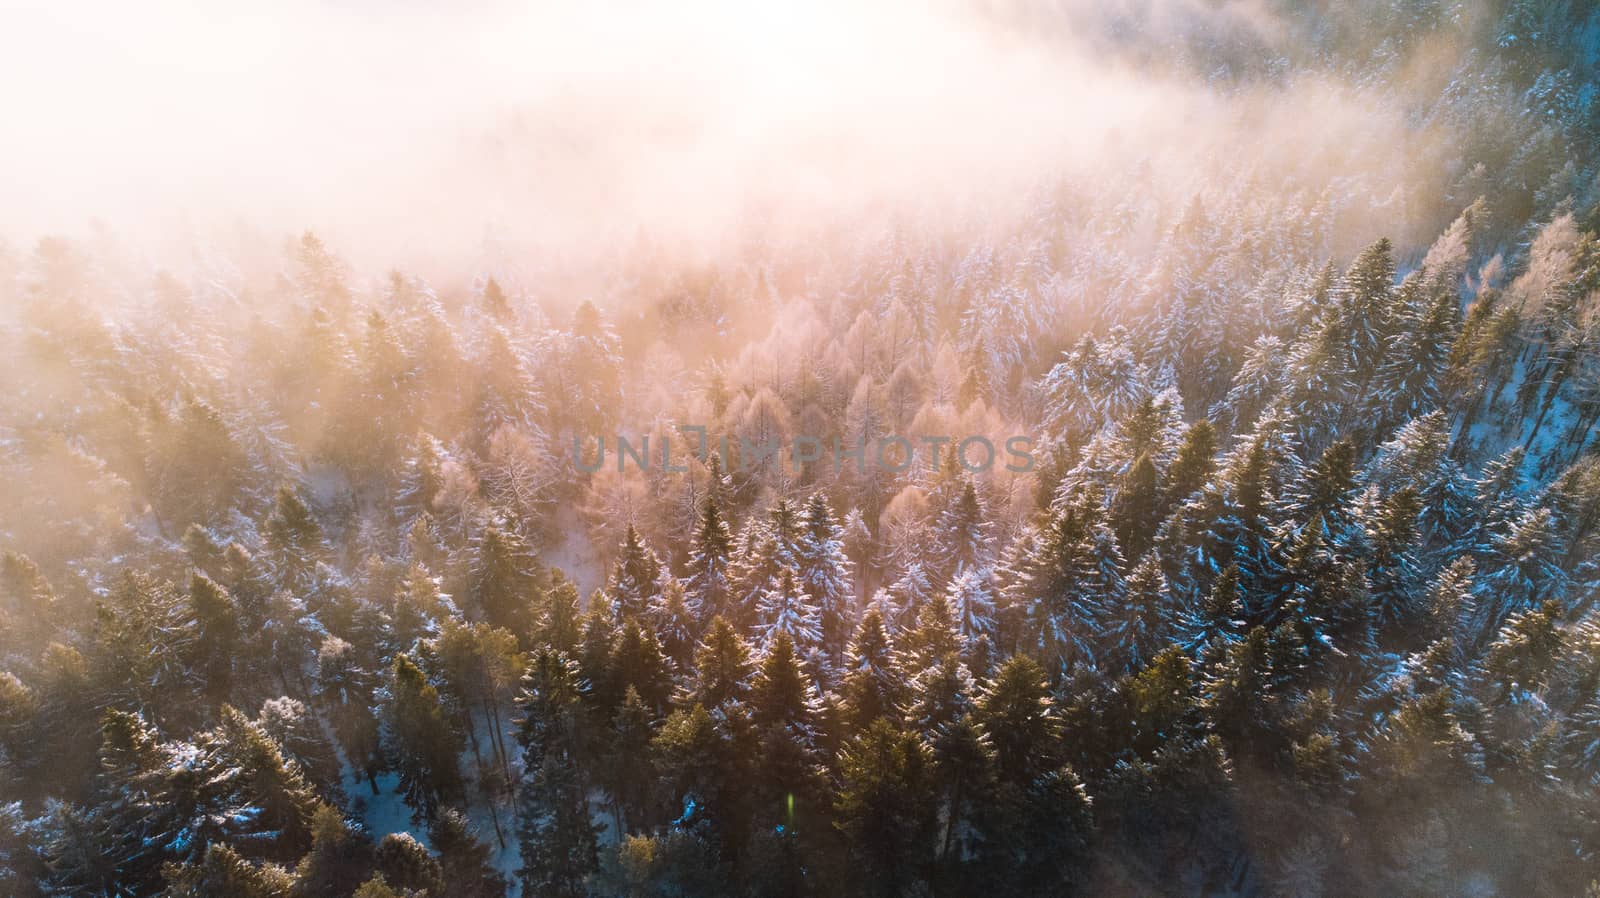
{"x": 1298, "y": 601}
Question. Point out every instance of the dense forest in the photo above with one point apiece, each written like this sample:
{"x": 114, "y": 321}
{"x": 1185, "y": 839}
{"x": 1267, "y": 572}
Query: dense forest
{"x": 309, "y": 585}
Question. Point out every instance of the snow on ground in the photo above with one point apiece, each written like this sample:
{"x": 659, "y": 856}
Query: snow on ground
{"x": 506, "y": 859}
{"x": 385, "y": 812}
{"x": 575, "y": 555}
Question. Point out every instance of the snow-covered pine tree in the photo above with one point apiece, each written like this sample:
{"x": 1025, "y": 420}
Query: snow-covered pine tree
{"x": 674, "y": 619}
{"x": 1067, "y": 583}
{"x": 972, "y": 602}
{"x": 1219, "y": 619}
{"x": 223, "y": 873}
{"x": 1451, "y": 607}
{"x": 939, "y": 696}
{"x": 300, "y": 738}
{"x": 1142, "y": 624}
{"x": 935, "y": 636}
{"x": 769, "y": 548}
{"x": 216, "y": 619}
{"x": 1408, "y": 382}
{"x": 635, "y": 578}
{"x": 786, "y": 608}
{"x": 1523, "y": 567}
{"x": 963, "y": 533}
{"x": 406, "y": 865}
{"x": 1256, "y": 383}
{"x": 873, "y": 684}
{"x": 825, "y": 571}
{"x": 1392, "y": 568}
{"x": 905, "y": 597}
{"x": 295, "y": 541}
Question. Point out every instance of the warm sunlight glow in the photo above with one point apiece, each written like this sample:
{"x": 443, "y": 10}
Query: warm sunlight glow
{"x": 830, "y": 449}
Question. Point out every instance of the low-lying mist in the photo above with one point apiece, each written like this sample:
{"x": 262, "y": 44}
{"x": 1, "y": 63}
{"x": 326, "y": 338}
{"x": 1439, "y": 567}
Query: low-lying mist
{"x": 458, "y": 140}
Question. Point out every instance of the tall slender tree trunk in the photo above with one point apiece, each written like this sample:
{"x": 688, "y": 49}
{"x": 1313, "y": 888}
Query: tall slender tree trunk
{"x": 1538, "y": 423}
{"x": 492, "y": 709}
{"x": 494, "y": 817}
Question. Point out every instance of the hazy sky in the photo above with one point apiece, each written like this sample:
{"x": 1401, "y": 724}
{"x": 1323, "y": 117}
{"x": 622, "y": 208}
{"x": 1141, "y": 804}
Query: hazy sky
{"x": 412, "y": 130}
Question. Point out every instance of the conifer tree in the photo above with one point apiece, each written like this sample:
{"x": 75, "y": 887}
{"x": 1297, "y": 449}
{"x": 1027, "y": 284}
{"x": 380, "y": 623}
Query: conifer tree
{"x": 559, "y": 624}
{"x": 464, "y": 860}
{"x": 1137, "y": 506}
{"x": 1519, "y": 661}
{"x": 223, "y": 873}
{"x": 825, "y": 571}
{"x": 1192, "y": 466}
{"x": 637, "y": 664}
{"x": 933, "y": 638}
{"x": 702, "y": 774}
{"x": 782, "y": 710}
{"x": 1239, "y": 693}
{"x": 27, "y": 603}
{"x": 1064, "y": 584}
{"x": 1417, "y": 357}
{"x": 674, "y": 620}
{"x": 1392, "y": 569}
{"x": 1524, "y": 566}
{"x": 1039, "y": 817}
{"x": 1499, "y": 503}
{"x": 137, "y": 824}
{"x": 295, "y": 540}
{"x": 420, "y": 742}
{"x": 963, "y": 533}
{"x": 635, "y": 578}
{"x": 1364, "y": 316}
{"x": 480, "y": 666}
{"x": 299, "y": 736}
{"x": 769, "y": 548}
{"x": 1019, "y": 719}
{"x": 555, "y": 834}
{"x": 873, "y": 686}
{"x": 1450, "y": 604}
{"x": 901, "y": 601}
{"x": 340, "y": 858}
{"x": 1221, "y": 618}
{"x": 402, "y": 861}
{"x": 628, "y": 771}
{"x": 216, "y": 619}
{"x": 781, "y": 695}
{"x": 964, "y": 769}
{"x": 886, "y": 809}
{"x": 376, "y": 887}
{"x": 1143, "y": 624}
{"x": 940, "y": 696}
{"x": 709, "y": 560}
{"x": 343, "y": 686}
{"x": 785, "y": 608}
{"x": 495, "y": 301}
{"x": 1325, "y": 498}
{"x": 722, "y": 668}
{"x": 594, "y": 658}
{"x": 970, "y": 596}
{"x": 502, "y": 582}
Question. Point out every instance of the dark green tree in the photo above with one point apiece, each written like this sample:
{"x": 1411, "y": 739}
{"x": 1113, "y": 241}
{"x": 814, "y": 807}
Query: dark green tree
{"x": 420, "y": 742}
